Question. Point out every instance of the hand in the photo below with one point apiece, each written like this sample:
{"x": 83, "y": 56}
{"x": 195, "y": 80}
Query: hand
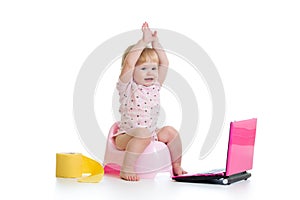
{"x": 148, "y": 36}
{"x": 155, "y": 38}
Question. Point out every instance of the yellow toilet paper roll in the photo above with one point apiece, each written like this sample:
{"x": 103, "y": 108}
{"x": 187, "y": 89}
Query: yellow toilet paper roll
{"x": 74, "y": 165}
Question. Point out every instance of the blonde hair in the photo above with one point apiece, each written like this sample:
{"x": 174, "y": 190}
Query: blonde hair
{"x": 147, "y": 55}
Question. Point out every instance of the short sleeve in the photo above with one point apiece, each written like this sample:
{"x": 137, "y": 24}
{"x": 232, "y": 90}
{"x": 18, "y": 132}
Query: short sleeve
{"x": 124, "y": 89}
{"x": 121, "y": 87}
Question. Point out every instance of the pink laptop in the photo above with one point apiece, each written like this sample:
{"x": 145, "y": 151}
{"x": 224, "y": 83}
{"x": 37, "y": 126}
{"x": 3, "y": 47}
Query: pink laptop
{"x": 239, "y": 157}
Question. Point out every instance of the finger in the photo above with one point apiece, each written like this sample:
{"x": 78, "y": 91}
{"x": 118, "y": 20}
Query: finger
{"x": 146, "y": 24}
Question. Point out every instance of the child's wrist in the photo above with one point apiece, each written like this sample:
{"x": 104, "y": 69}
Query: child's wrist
{"x": 143, "y": 42}
{"x": 156, "y": 40}
{"x": 155, "y": 43}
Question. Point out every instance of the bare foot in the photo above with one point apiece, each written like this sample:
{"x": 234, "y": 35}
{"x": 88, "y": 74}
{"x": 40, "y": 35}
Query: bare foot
{"x": 129, "y": 175}
{"x": 177, "y": 170}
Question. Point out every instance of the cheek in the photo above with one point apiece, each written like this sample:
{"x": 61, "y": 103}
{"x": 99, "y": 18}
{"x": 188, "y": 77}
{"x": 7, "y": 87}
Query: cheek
{"x": 138, "y": 74}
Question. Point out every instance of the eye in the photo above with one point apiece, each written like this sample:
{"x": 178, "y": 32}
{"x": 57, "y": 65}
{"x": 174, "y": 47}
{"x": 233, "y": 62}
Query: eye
{"x": 143, "y": 68}
{"x": 154, "y": 68}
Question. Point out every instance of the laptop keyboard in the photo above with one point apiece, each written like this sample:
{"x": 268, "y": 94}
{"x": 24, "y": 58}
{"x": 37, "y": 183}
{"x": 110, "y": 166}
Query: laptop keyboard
{"x": 202, "y": 174}
{"x": 210, "y": 174}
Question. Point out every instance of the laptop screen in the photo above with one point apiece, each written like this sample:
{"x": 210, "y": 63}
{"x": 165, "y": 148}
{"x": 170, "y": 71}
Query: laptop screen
{"x": 241, "y": 146}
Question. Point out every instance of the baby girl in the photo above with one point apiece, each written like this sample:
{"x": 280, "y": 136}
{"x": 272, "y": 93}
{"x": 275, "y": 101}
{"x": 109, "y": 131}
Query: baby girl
{"x": 143, "y": 72}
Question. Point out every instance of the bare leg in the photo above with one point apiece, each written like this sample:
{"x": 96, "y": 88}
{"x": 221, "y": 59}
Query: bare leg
{"x": 134, "y": 143}
{"x": 171, "y": 138}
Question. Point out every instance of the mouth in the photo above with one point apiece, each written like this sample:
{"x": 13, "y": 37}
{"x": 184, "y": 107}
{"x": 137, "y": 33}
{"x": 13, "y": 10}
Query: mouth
{"x": 149, "y": 79}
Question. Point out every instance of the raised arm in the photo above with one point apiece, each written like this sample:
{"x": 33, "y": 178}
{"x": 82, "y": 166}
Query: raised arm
{"x": 163, "y": 59}
{"x": 130, "y": 61}
{"x": 134, "y": 54}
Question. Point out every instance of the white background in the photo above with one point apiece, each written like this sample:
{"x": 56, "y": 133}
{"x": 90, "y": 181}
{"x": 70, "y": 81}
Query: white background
{"x": 255, "y": 46}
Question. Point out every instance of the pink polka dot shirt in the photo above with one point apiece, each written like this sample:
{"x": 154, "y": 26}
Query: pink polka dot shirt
{"x": 139, "y": 106}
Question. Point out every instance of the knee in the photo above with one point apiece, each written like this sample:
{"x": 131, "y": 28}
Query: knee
{"x": 167, "y": 134}
{"x": 145, "y": 141}
{"x": 142, "y": 133}
{"x": 172, "y": 132}
{"x": 137, "y": 141}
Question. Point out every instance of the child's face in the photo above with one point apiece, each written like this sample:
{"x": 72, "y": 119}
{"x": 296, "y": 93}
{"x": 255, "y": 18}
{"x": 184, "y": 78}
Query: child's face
{"x": 146, "y": 74}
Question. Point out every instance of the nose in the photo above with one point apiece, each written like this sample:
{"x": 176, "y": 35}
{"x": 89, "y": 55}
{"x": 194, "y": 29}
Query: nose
{"x": 149, "y": 72}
